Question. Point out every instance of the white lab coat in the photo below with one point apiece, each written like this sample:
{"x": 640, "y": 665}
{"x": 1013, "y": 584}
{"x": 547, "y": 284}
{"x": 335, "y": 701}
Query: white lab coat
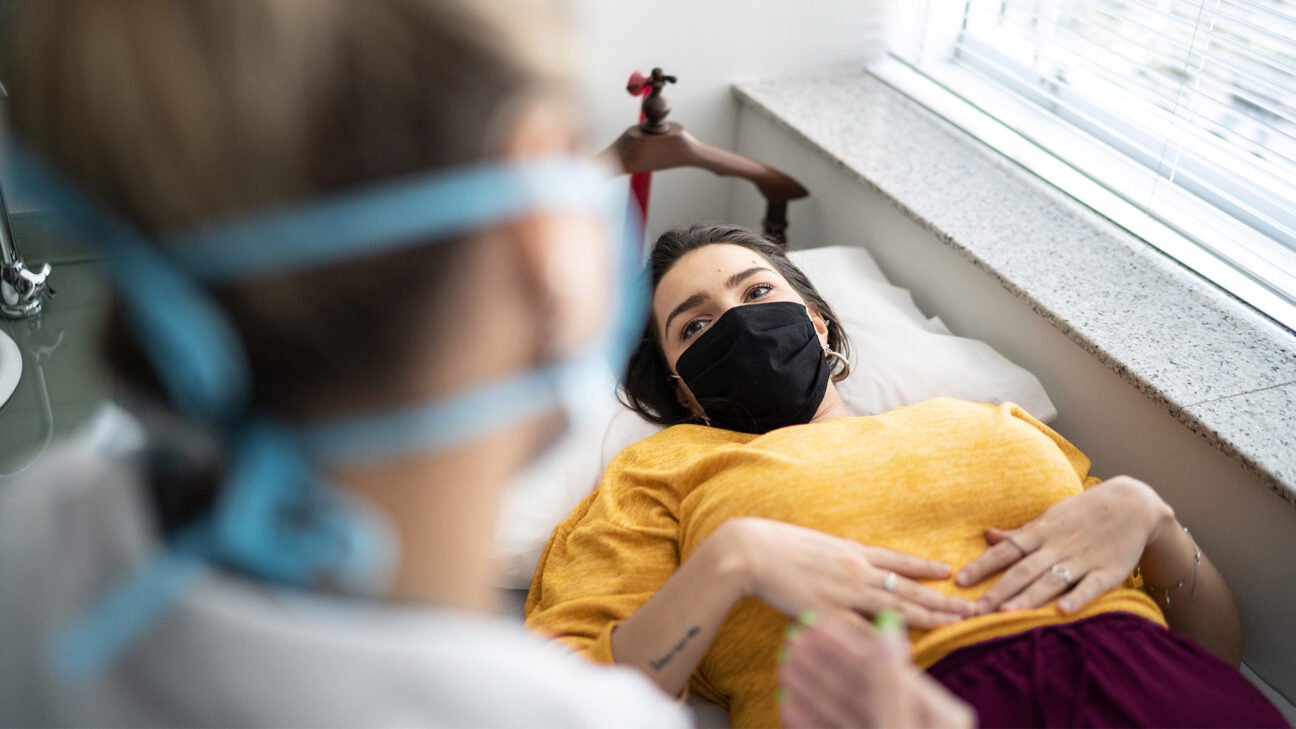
{"x": 233, "y": 653}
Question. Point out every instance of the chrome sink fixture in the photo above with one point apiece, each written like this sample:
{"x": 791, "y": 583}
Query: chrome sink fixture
{"x": 23, "y": 289}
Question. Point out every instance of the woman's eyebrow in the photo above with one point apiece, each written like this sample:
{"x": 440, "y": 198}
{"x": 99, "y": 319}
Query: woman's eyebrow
{"x": 687, "y": 304}
{"x": 700, "y": 297}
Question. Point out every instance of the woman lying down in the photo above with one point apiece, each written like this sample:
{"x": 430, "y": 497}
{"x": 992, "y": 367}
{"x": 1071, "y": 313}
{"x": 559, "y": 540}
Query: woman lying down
{"x": 1017, "y": 571}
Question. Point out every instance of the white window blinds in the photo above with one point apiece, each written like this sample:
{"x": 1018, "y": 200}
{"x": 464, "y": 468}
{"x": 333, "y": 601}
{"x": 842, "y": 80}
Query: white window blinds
{"x": 1197, "y": 97}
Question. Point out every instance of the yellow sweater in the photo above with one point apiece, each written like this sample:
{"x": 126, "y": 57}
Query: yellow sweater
{"x": 926, "y": 479}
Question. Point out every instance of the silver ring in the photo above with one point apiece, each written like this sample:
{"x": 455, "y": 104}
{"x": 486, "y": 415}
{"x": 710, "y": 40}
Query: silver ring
{"x": 1062, "y": 572}
{"x": 889, "y": 584}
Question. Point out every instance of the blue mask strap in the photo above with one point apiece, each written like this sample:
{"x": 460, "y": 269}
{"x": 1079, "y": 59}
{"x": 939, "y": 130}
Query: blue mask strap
{"x": 81, "y": 649}
{"x": 448, "y": 423}
{"x": 388, "y": 216}
{"x": 274, "y": 520}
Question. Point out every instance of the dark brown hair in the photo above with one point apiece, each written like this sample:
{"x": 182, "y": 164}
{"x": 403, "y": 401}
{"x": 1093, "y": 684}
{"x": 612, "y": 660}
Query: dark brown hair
{"x": 647, "y": 388}
{"x": 173, "y": 114}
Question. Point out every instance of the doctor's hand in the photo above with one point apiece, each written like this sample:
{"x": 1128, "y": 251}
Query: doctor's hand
{"x": 840, "y": 672}
{"x": 1078, "y": 549}
{"x": 794, "y": 569}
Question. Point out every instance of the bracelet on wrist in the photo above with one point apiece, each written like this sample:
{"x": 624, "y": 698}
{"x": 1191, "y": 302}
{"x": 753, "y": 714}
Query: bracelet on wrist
{"x": 1162, "y": 594}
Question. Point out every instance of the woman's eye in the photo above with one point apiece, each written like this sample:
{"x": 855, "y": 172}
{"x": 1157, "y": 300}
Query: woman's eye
{"x": 759, "y": 291}
{"x": 692, "y": 328}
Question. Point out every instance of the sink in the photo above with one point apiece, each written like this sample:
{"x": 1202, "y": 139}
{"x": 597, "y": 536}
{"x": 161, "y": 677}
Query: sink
{"x": 11, "y": 365}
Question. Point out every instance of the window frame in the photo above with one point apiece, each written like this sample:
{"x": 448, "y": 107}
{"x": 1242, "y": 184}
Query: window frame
{"x": 1236, "y": 256}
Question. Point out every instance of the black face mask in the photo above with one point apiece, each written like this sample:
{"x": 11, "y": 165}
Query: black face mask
{"x": 759, "y": 367}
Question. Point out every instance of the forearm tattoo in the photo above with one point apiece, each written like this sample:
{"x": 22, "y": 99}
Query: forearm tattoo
{"x": 659, "y": 663}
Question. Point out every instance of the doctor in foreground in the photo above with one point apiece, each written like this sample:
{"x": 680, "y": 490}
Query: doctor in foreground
{"x": 361, "y": 282}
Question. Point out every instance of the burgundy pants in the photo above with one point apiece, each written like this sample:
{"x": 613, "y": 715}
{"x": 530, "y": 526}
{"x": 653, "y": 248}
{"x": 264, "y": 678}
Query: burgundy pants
{"x": 1111, "y": 670}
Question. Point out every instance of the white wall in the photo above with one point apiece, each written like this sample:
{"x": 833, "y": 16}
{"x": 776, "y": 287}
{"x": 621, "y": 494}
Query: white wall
{"x": 1248, "y": 531}
{"x": 709, "y": 45}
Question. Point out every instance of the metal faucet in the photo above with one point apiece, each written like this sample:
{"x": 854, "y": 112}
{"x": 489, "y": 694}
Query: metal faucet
{"x": 22, "y": 289}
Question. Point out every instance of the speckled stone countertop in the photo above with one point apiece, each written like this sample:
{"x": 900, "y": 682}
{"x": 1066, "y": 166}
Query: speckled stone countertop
{"x": 1219, "y": 367}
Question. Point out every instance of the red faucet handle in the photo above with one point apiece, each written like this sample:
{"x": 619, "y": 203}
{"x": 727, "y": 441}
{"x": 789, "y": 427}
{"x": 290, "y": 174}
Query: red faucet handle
{"x": 638, "y": 85}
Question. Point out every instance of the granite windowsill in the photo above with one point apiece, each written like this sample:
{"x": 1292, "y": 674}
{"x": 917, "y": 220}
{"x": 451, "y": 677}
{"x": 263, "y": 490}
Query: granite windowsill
{"x": 1220, "y": 368}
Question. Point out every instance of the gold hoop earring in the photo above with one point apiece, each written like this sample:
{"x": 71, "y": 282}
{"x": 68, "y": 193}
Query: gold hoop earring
{"x": 845, "y": 364}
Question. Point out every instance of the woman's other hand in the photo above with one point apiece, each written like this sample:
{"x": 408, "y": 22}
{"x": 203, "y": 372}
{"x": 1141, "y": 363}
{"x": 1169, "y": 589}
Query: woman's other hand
{"x": 1078, "y": 549}
{"x": 839, "y": 672}
{"x": 794, "y": 569}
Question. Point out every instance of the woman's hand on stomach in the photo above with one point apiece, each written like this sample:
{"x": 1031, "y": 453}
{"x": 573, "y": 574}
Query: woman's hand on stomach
{"x": 794, "y": 568}
{"x": 1078, "y": 549}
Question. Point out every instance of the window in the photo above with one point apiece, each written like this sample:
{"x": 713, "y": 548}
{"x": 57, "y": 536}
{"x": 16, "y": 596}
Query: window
{"x": 1185, "y": 109}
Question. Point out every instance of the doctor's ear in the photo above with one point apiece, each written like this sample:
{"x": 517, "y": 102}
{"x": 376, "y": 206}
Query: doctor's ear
{"x": 565, "y": 264}
{"x": 564, "y": 256}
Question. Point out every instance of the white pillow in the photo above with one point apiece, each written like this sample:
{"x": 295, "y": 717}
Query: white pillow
{"x": 899, "y": 357}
